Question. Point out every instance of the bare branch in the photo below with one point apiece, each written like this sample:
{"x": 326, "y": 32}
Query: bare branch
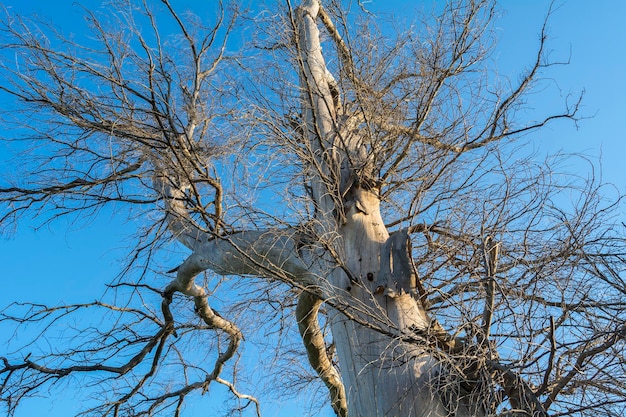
{"x": 306, "y": 315}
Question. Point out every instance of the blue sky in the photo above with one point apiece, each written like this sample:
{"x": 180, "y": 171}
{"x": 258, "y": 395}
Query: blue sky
{"x": 42, "y": 265}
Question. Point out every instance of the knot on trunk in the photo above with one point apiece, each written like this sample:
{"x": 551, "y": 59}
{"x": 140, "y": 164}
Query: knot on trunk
{"x": 397, "y": 274}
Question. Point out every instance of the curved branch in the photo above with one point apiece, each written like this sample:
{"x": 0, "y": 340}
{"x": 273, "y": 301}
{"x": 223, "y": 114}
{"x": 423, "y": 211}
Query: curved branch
{"x": 166, "y": 329}
{"x": 343, "y": 49}
{"x": 313, "y": 339}
{"x": 177, "y": 217}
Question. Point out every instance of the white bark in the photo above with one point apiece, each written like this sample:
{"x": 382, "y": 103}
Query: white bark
{"x": 382, "y": 375}
{"x": 262, "y": 253}
{"x": 376, "y": 320}
{"x": 319, "y": 115}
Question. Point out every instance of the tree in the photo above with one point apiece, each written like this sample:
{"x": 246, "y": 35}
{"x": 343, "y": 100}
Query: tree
{"x": 432, "y": 266}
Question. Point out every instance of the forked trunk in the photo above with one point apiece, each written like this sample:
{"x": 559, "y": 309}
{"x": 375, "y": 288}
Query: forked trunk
{"x": 388, "y": 361}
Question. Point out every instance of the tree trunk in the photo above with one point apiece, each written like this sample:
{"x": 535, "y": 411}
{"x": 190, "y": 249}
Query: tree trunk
{"x": 379, "y": 327}
{"x": 389, "y": 350}
{"x": 395, "y": 373}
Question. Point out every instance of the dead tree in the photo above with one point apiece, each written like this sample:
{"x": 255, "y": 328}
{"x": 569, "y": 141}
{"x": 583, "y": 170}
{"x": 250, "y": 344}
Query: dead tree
{"x": 450, "y": 280}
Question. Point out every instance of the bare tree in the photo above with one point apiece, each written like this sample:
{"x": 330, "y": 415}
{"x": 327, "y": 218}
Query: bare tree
{"x": 430, "y": 265}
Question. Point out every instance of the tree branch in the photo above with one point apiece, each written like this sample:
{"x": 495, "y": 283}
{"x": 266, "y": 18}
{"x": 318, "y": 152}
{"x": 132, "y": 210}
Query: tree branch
{"x": 491, "y": 250}
{"x": 520, "y": 394}
{"x": 313, "y": 339}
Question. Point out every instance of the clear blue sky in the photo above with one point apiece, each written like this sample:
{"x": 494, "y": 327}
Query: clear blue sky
{"x": 42, "y": 266}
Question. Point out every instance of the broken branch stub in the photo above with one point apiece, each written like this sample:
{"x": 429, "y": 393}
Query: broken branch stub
{"x": 397, "y": 274}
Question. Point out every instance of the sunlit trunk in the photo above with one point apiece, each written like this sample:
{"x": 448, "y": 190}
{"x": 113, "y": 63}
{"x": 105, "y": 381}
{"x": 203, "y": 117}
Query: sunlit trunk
{"x": 382, "y": 375}
{"x": 379, "y": 327}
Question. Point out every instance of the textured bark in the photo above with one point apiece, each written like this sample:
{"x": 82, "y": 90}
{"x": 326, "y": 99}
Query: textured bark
{"x": 386, "y": 344}
{"x": 306, "y": 314}
{"x": 398, "y": 124}
{"x": 377, "y": 317}
{"x": 382, "y": 375}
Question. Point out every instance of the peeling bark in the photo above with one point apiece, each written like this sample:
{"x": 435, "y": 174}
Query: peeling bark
{"x": 396, "y": 272}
